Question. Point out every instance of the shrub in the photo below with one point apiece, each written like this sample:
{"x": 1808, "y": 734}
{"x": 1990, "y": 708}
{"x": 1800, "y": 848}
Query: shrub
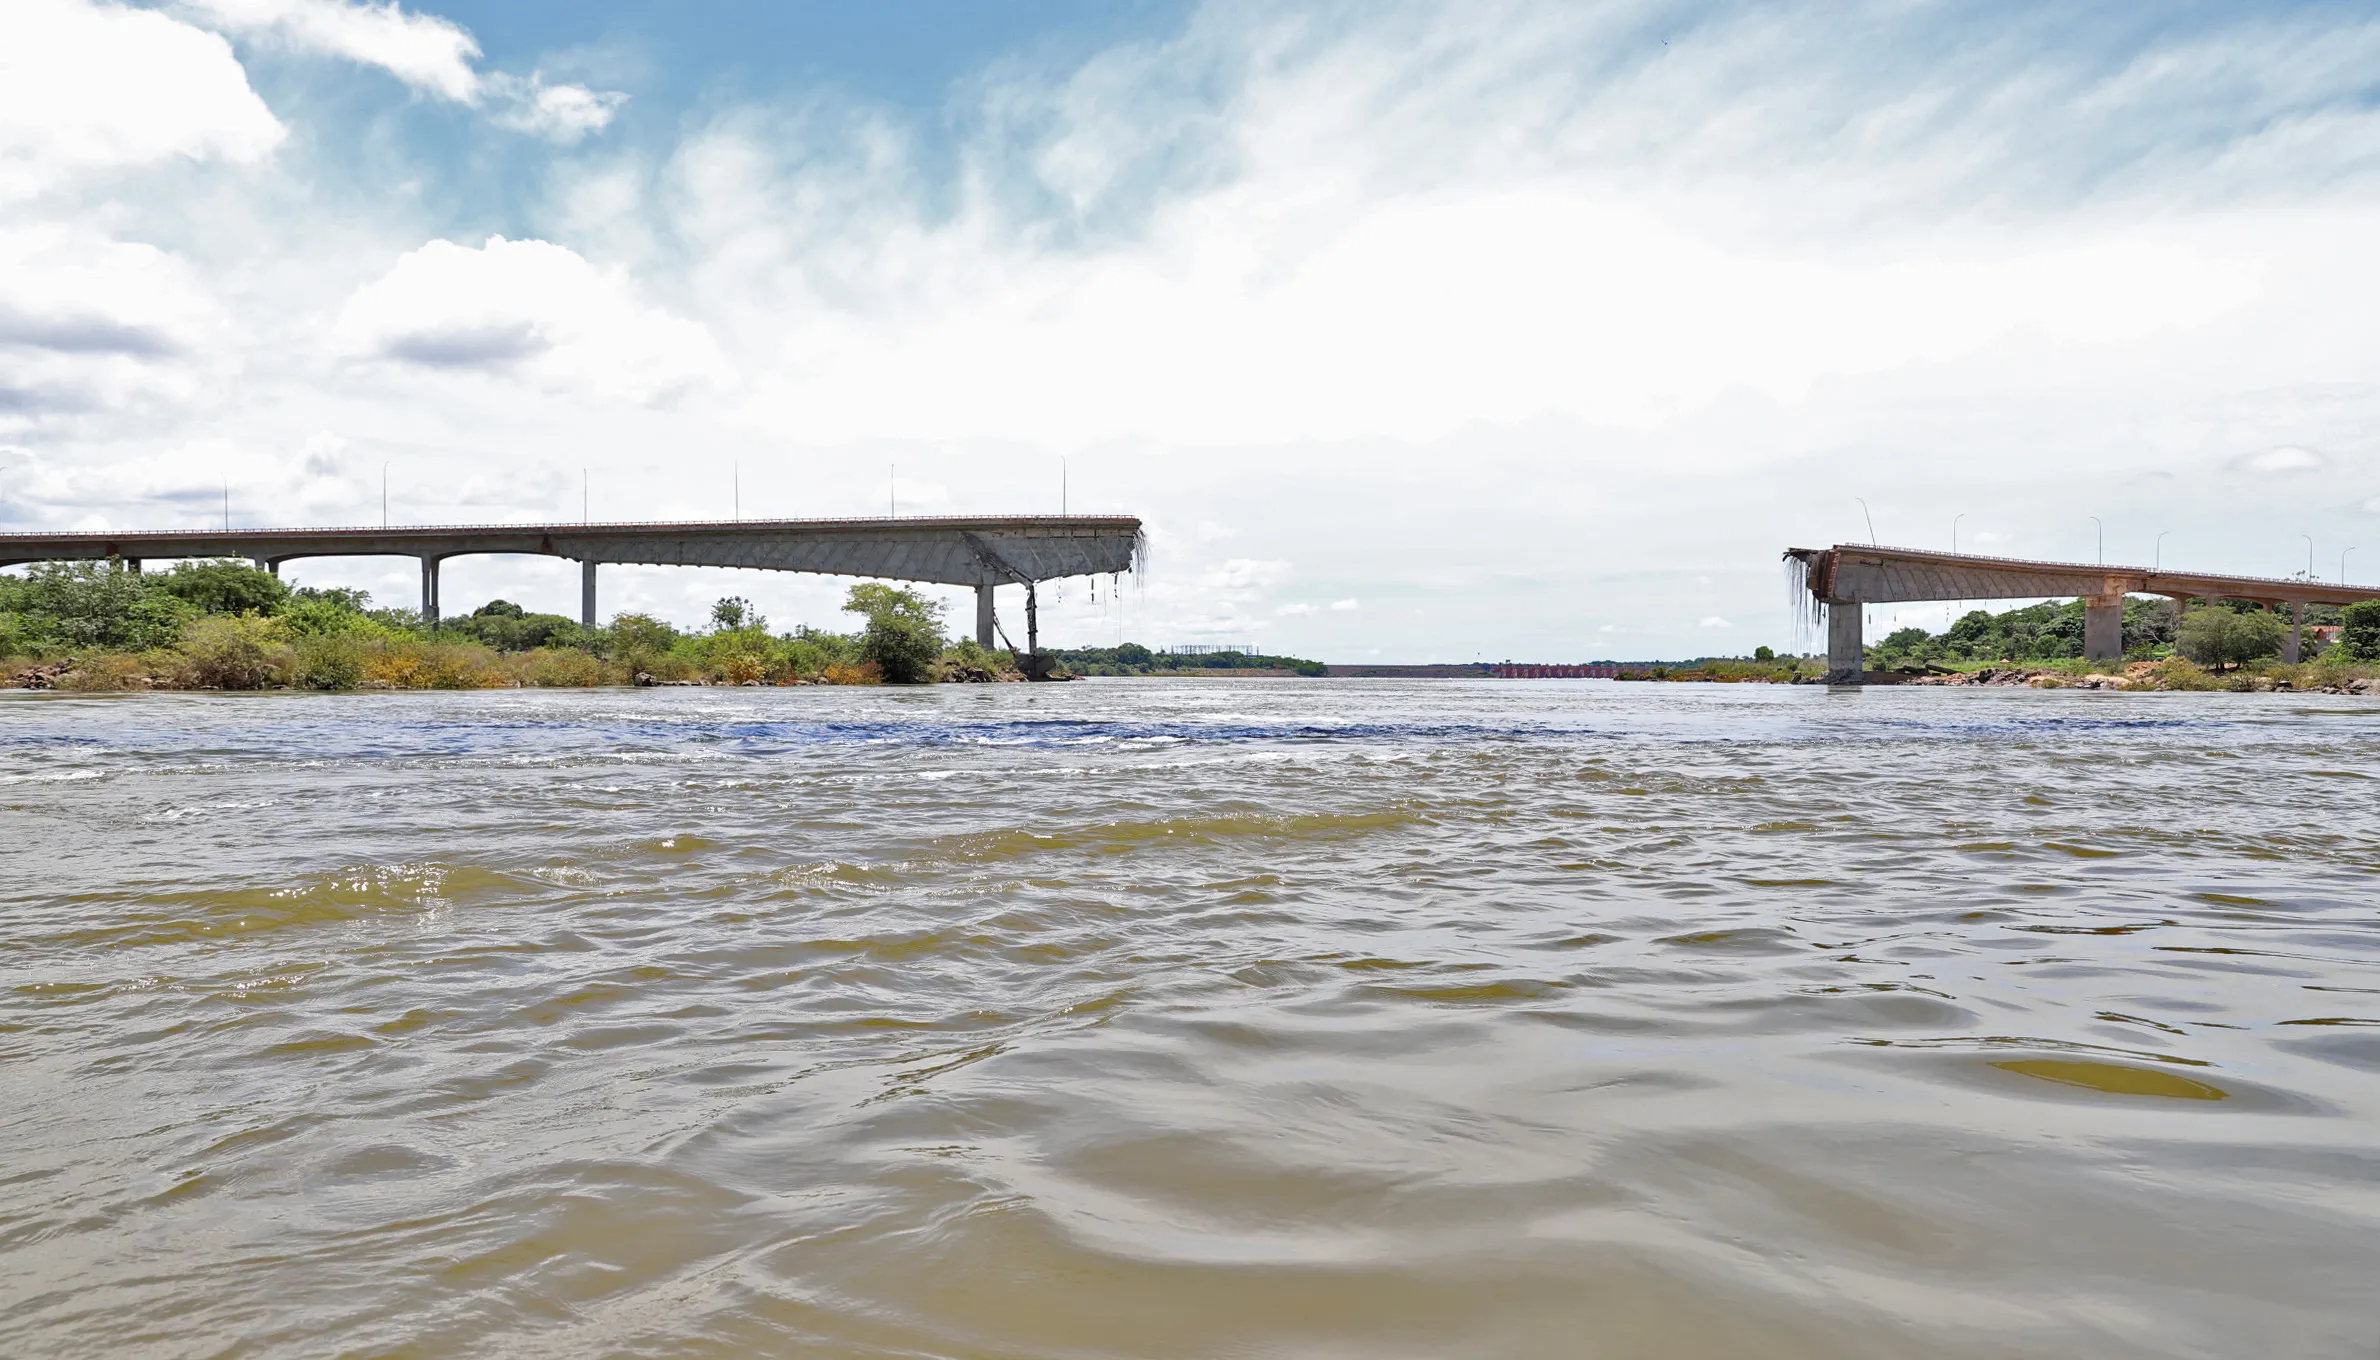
{"x": 903, "y": 638}
{"x": 2176, "y": 672}
{"x": 562, "y": 667}
{"x": 739, "y": 666}
{"x": 227, "y": 586}
{"x": 2223, "y": 638}
{"x": 845, "y": 673}
{"x": 2359, "y": 632}
{"x": 105, "y": 674}
{"x": 235, "y": 652}
{"x": 330, "y": 661}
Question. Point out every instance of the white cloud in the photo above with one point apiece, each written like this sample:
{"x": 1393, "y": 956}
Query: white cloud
{"x": 1345, "y": 606}
{"x": 427, "y": 52}
{"x": 530, "y": 309}
{"x": 87, "y": 87}
{"x": 1242, "y": 574}
{"x": 1714, "y": 621}
{"x": 1295, "y": 610}
{"x": 2285, "y": 461}
{"x": 558, "y": 113}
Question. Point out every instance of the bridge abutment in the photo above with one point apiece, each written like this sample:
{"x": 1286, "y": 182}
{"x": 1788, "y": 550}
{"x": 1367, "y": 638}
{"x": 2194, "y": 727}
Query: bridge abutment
{"x": 1846, "y": 643}
{"x": 2103, "y": 628}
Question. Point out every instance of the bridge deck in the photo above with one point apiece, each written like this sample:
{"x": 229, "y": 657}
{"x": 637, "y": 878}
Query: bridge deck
{"x": 983, "y": 551}
{"x": 1878, "y": 575}
{"x": 1848, "y": 575}
{"x": 954, "y": 550}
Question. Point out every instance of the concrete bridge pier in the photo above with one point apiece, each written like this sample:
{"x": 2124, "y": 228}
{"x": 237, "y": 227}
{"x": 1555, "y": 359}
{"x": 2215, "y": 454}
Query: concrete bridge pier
{"x": 2294, "y": 648}
{"x": 586, "y": 593}
{"x": 266, "y": 564}
{"x": 1846, "y": 644}
{"x": 2103, "y": 628}
{"x": 429, "y": 592}
{"x": 983, "y": 617}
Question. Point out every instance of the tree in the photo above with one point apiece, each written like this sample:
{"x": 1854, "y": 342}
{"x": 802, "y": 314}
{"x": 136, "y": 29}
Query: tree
{"x": 736, "y": 614}
{"x": 91, "y": 604}
{"x": 1764, "y": 654}
{"x": 2359, "y": 631}
{"x": 2221, "y": 638}
{"x": 225, "y": 586}
{"x": 904, "y": 632}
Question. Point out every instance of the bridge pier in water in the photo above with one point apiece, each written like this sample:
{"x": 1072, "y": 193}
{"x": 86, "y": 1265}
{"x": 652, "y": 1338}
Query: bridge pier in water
{"x": 983, "y": 617}
{"x": 429, "y": 592}
{"x": 1846, "y": 644}
{"x": 2103, "y": 628}
{"x": 586, "y": 593}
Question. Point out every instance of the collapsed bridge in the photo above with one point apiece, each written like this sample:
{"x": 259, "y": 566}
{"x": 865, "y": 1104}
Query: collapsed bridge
{"x": 1843, "y": 578}
{"x": 983, "y": 551}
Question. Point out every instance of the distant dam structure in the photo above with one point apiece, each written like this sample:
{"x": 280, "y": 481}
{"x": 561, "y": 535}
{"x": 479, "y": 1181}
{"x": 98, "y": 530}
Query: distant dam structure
{"x": 983, "y": 551}
{"x": 1841, "y": 580}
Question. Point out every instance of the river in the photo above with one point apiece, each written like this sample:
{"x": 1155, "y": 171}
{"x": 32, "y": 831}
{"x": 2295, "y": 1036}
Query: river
{"x": 1258, "y": 1018}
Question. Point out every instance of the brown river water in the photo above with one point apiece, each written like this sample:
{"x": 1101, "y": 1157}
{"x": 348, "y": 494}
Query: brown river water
{"x": 1202, "y": 1019}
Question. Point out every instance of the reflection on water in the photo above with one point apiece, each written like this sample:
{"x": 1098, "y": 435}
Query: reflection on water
{"x": 1260, "y": 1018}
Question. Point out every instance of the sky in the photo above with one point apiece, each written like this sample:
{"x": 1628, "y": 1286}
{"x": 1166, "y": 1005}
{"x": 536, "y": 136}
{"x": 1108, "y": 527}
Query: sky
{"x": 1413, "y": 331}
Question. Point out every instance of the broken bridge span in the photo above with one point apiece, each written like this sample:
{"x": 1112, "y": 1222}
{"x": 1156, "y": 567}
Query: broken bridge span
{"x": 1844, "y": 578}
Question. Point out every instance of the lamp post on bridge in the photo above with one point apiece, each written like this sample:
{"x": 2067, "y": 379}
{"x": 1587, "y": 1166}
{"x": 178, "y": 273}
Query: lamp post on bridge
{"x": 2309, "y": 538}
{"x": 2102, "y": 538}
{"x": 2343, "y": 562}
{"x": 2157, "y": 559}
{"x": 1871, "y": 518}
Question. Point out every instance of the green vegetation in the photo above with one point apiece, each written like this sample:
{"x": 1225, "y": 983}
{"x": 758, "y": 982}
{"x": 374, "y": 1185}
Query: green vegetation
{"x": 228, "y": 625}
{"x": 1133, "y": 659}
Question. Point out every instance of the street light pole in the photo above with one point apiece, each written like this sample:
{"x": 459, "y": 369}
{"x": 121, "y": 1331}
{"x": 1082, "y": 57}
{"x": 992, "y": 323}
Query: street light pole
{"x": 2343, "y": 562}
{"x": 2159, "y": 559}
{"x": 1863, "y": 510}
{"x": 2102, "y": 539}
{"x": 2309, "y": 538}
{"x": 1954, "y": 531}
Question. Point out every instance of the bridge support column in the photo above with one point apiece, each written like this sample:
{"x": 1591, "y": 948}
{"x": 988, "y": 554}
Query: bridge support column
{"x": 2103, "y": 628}
{"x": 2294, "y": 649}
{"x": 586, "y": 593}
{"x": 983, "y": 617}
{"x": 429, "y": 592}
{"x": 1846, "y": 643}
{"x": 264, "y": 564}
{"x": 132, "y": 564}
